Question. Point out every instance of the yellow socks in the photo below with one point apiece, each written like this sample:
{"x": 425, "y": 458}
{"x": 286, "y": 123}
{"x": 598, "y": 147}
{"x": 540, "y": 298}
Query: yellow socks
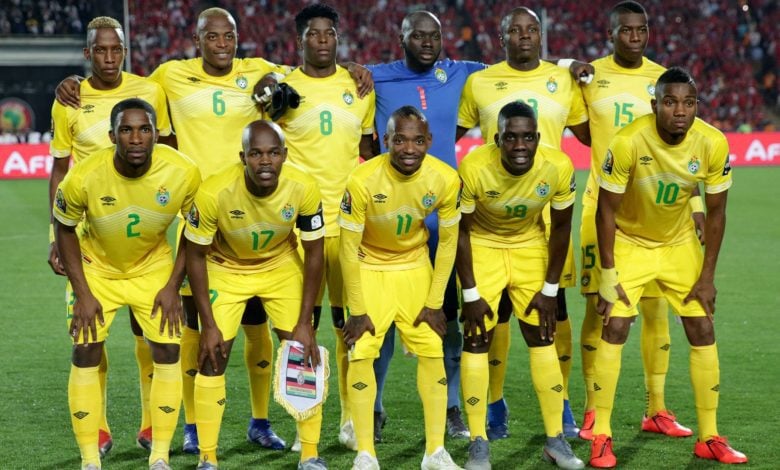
{"x": 474, "y": 384}
{"x": 258, "y": 355}
{"x": 605, "y": 383}
{"x": 85, "y": 400}
{"x": 190, "y": 342}
{"x": 309, "y": 434}
{"x": 342, "y": 366}
{"x": 143, "y": 356}
{"x": 497, "y": 357}
{"x": 103, "y": 374}
{"x": 655, "y": 344}
{"x": 563, "y": 349}
{"x": 547, "y": 379}
{"x": 361, "y": 393}
{"x": 164, "y": 402}
{"x": 432, "y": 387}
{"x": 705, "y": 378}
{"x": 590, "y": 336}
{"x": 209, "y": 407}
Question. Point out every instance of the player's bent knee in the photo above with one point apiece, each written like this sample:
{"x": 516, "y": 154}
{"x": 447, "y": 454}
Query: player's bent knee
{"x": 532, "y": 335}
{"x": 88, "y": 355}
{"x": 616, "y": 331}
{"x": 699, "y": 330}
{"x": 164, "y": 353}
{"x": 337, "y": 315}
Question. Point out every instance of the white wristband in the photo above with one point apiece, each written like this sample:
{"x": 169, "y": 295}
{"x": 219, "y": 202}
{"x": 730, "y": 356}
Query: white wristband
{"x": 565, "y": 63}
{"x": 470, "y": 295}
{"x": 549, "y": 290}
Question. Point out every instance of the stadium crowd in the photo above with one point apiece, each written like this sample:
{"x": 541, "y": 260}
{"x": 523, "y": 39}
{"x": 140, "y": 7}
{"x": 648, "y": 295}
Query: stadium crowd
{"x": 733, "y": 53}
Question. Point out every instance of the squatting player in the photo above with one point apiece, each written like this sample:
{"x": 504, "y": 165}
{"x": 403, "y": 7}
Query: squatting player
{"x": 623, "y": 86}
{"x": 240, "y": 245}
{"x": 645, "y": 234}
{"x": 79, "y": 132}
{"x": 326, "y": 134}
{"x": 502, "y": 246}
{"x": 128, "y": 195}
{"x": 388, "y": 276}
{"x": 557, "y": 101}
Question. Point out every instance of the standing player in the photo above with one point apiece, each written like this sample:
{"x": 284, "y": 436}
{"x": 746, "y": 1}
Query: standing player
{"x": 434, "y": 86}
{"x": 506, "y": 185}
{"x": 645, "y": 234}
{"x": 388, "y": 278}
{"x": 326, "y": 134}
{"x": 128, "y": 195}
{"x": 82, "y": 131}
{"x": 241, "y": 245}
{"x": 557, "y": 101}
{"x": 622, "y": 90}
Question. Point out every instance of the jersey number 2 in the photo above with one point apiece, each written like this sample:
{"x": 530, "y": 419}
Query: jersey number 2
{"x": 135, "y": 219}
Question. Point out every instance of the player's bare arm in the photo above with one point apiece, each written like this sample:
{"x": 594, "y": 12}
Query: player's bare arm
{"x": 704, "y": 290}
{"x": 364, "y": 81}
{"x": 86, "y": 308}
{"x": 367, "y": 148}
{"x": 697, "y": 213}
{"x": 610, "y": 290}
{"x": 472, "y": 313}
{"x": 59, "y": 169}
{"x": 581, "y": 132}
{"x": 546, "y": 303}
{"x": 211, "y": 342}
{"x": 313, "y": 268}
{"x": 168, "y": 301}
{"x": 68, "y": 91}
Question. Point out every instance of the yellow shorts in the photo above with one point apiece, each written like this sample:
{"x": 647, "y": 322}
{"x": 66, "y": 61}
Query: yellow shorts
{"x": 332, "y": 277}
{"x": 138, "y": 293}
{"x": 520, "y": 270}
{"x": 280, "y": 290}
{"x": 590, "y": 266}
{"x": 397, "y": 296}
{"x": 569, "y": 272}
{"x": 674, "y": 268}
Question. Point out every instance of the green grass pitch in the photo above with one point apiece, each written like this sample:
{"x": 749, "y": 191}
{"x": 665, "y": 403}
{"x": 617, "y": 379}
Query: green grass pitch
{"x": 35, "y": 349}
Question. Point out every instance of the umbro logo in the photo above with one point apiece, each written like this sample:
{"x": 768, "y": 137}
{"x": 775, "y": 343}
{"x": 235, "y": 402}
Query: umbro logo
{"x": 108, "y": 200}
{"x": 716, "y": 388}
{"x": 603, "y": 83}
{"x": 666, "y": 347}
{"x": 472, "y": 401}
{"x": 596, "y": 387}
{"x": 645, "y": 160}
{"x": 88, "y": 108}
{"x": 236, "y": 214}
{"x": 564, "y": 358}
{"x": 558, "y": 388}
{"x": 492, "y": 194}
{"x": 359, "y": 386}
{"x": 442, "y": 381}
{"x": 192, "y": 372}
{"x": 589, "y": 348}
{"x": 167, "y": 409}
{"x": 380, "y": 198}
{"x": 193, "y": 79}
{"x": 80, "y": 414}
{"x": 263, "y": 364}
{"x": 501, "y": 86}
{"x": 494, "y": 362}
{"x": 221, "y": 402}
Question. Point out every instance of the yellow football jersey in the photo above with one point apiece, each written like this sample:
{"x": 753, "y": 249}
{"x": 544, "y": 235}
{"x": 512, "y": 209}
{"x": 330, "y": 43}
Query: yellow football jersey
{"x": 249, "y": 233}
{"x": 83, "y": 131}
{"x": 507, "y": 208}
{"x": 390, "y": 210}
{"x": 209, "y": 113}
{"x": 127, "y": 218}
{"x": 656, "y": 179}
{"x": 548, "y": 89}
{"x": 323, "y": 133}
{"x": 614, "y": 98}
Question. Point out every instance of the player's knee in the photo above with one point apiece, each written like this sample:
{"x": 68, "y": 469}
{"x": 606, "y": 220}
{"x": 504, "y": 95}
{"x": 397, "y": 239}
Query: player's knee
{"x": 164, "y": 353}
{"x": 616, "y": 331}
{"x": 337, "y": 315}
{"x": 88, "y": 355}
{"x": 699, "y": 330}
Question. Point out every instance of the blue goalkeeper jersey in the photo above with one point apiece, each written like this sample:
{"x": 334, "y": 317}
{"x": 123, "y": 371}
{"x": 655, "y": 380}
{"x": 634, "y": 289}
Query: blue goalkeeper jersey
{"x": 436, "y": 93}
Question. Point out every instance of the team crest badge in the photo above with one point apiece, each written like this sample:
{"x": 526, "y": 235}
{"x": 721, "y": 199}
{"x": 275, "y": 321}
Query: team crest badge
{"x": 440, "y": 75}
{"x": 163, "y": 196}
{"x": 542, "y": 189}
{"x": 607, "y": 166}
{"x": 428, "y": 199}
{"x": 651, "y": 89}
{"x": 59, "y": 201}
{"x": 288, "y": 211}
{"x": 551, "y": 85}
{"x": 241, "y": 82}
{"x": 585, "y": 281}
{"x": 348, "y": 98}
{"x": 693, "y": 165}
